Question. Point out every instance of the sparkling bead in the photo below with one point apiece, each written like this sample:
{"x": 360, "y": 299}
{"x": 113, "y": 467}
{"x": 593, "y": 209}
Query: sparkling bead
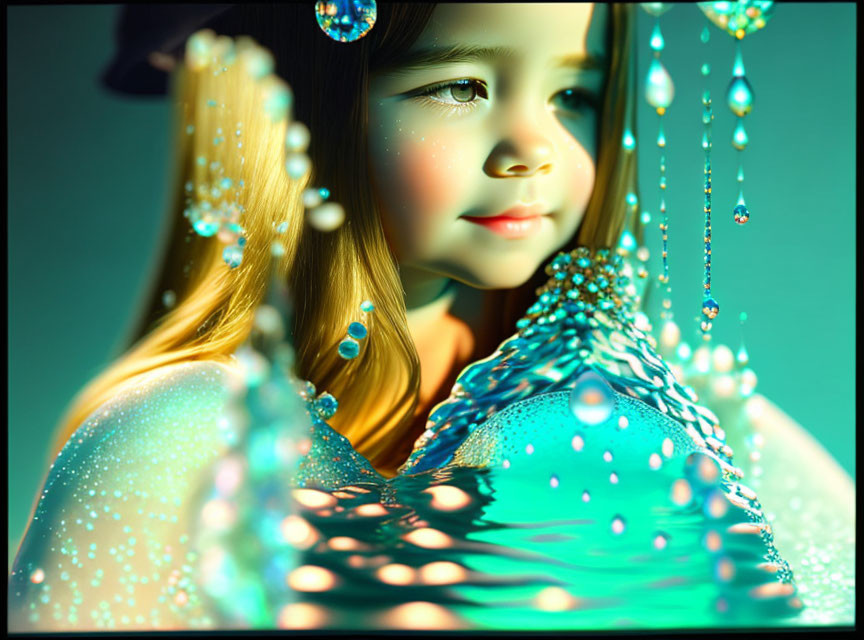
{"x": 346, "y": 20}
{"x": 742, "y": 215}
{"x": 357, "y": 330}
{"x": 349, "y": 348}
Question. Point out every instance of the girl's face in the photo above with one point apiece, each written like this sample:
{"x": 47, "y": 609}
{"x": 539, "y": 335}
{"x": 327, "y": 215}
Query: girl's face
{"x": 492, "y": 113}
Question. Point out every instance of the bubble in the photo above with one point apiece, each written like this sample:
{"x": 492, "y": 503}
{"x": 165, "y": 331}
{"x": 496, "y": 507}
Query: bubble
{"x": 586, "y": 496}
{"x": 613, "y": 478}
{"x": 577, "y": 443}
{"x": 660, "y": 540}
{"x": 681, "y": 493}
{"x": 553, "y": 482}
{"x": 607, "y": 456}
{"x": 592, "y": 400}
{"x": 618, "y": 525}
{"x": 654, "y": 461}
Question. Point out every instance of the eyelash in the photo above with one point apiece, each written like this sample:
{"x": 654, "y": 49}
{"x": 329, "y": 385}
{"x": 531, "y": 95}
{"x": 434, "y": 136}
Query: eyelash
{"x": 585, "y": 97}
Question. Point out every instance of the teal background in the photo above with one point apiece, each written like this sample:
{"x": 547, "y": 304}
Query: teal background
{"x": 88, "y": 170}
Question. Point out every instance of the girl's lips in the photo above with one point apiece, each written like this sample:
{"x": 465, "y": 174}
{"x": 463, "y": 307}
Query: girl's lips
{"x": 509, "y": 227}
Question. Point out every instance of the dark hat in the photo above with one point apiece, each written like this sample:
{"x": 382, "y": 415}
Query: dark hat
{"x": 145, "y": 29}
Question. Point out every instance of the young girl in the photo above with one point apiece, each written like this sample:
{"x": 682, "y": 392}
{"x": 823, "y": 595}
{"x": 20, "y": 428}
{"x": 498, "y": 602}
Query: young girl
{"x": 467, "y": 145}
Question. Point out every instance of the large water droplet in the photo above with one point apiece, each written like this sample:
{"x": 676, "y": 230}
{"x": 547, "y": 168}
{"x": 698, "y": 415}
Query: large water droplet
{"x": 592, "y": 400}
{"x": 233, "y": 255}
{"x": 742, "y": 215}
{"x": 659, "y": 90}
{"x": 657, "y": 38}
{"x": 326, "y": 217}
{"x": 346, "y": 20}
{"x": 349, "y": 348}
{"x": 739, "y": 95}
{"x": 357, "y": 330}
{"x": 739, "y": 138}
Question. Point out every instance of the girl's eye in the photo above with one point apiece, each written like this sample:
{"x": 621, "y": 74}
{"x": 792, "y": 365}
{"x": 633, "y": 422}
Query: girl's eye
{"x": 460, "y": 95}
{"x": 576, "y": 99}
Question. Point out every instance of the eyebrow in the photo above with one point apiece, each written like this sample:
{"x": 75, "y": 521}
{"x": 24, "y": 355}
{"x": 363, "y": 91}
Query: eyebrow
{"x": 437, "y": 56}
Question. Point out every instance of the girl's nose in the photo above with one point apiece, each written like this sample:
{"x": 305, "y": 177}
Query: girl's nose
{"x": 525, "y": 155}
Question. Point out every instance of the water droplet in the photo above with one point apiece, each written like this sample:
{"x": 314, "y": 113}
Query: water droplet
{"x": 706, "y": 69}
{"x": 169, "y": 298}
{"x": 529, "y": 449}
{"x": 657, "y": 38}
{"x": 325, "y": 193}
{"x": 592, "y": 399}
{"x": 705, "y": 35}
{"x": 311, "y": 198}
{"x": 233, "y": 255}
{"x": 628, "y": 241}
{"x": 366, "y": 306}
{"x": 741, "y": 214}
{"x": 654, "y": 461}
{"x": 349, "y": 348}
{"x": 326, "y": 217}
{"x": 710, "y": 308}
{"x": 740, "y": 174}
{"x": 346, "y": 20}
{"x": 357, "y": 330}
{"x": 628, "y": 141}
{"x": 659, "y": 90}
{"x": 226, "y": 183}
{"x": 553, "y": 482}
{"x": 739, "y": 138}
{"x": 613, "y": 478}
{"x": 656, "y": 9}
{"x": 618, "y": 525}
{"x": 586, "y": 497}
{"x": 297, "y": 164}
{"x": 660, "y": 540}
{"x": 277, "y": 249}
{"x": 681, "y": 493}
{"x": 661, "y": 137}
{"x": 739, "y": 96}
{"x": 607, "y": 456}
{"x": 577, "y": 443}
{"x": 297, "y": 137}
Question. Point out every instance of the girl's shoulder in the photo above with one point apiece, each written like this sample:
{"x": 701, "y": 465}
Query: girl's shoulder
{"x": 176, "y": 401}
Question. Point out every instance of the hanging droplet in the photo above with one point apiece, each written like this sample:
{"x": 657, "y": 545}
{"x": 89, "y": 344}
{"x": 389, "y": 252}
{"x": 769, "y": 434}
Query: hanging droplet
{"x": 357, "y": 330}
{"x": 706, "y": 69}
{"x": 628, "y": 241}
{"x": 349, "y": 348}
{"x": 656, "y": 9}
{"x": 628, "y": 141}
{"x": 346, "y": 20}
{"x": 618, "y": 525}
{"x": 326, "y": 217}
{"x": 738, "y": 68}
{"x": 657, "y": 38}
{"x": 705, "y": 35}
{"x": 632, "y": 199}
{"x": 740, "y": 174}
{"x": 742, "y": 215}
{"x": 366, "y": 306}
{"x": 233, "y": 255}
{"x": 739, "y": 138}
{"x": 659, "y": 90}
{"x": 586, "y": 497}
{"x": 706, "y": 98}
{"x": 707, "y": 115}
{"x": 592, "y": 399}
{"x": 705, "y": 142}
{"x": 710, "y": 308}
{"x": 739, "y": 95}
{"x": 661, "y": 137}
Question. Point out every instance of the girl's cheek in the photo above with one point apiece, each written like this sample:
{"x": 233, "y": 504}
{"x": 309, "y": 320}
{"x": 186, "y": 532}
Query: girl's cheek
{"x": 431, "y": 176}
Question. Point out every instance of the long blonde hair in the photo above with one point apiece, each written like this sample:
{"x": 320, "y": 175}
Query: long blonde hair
{"x": 328, "y": 274}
